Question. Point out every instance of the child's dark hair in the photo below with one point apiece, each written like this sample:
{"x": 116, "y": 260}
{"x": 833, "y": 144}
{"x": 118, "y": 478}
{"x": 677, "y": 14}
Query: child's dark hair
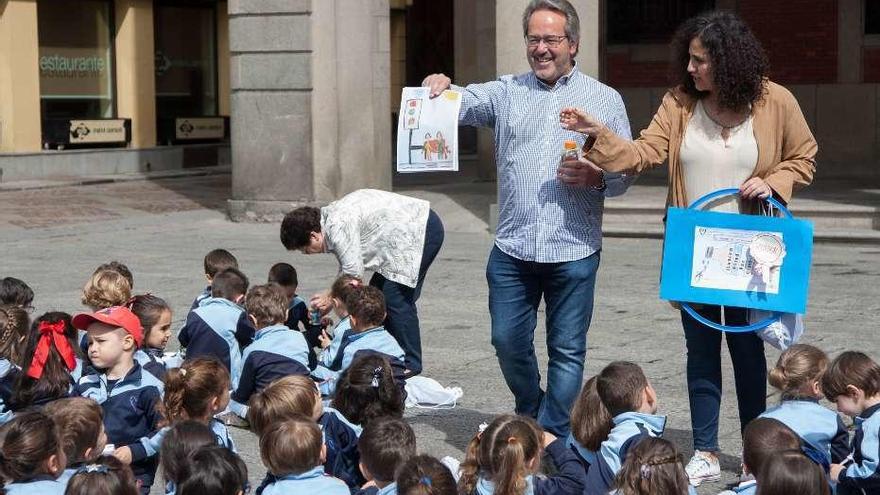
{"x": 106, "y": 288}
{"x": 148, "y": 308}
{"x": 797, "y": 368}
{"x": 107, "y": 476}
{"x": 14, "y": 323}
{"x": 764, "y": 438}
{"x": 267, "y": 304}
{"x": 218, "y": 260}
{"x": 291, "y": 446}
{"x": 183, "y": 438}
{"x": 213, "y": 470}
{"x": 502, "y": 452}
{"x": 282, "y": 399}
{"x": 851, "y": 368}
{"x": 229, "y": 284}
{"x": 283, "y": 274}
{"x": 190, "y": 389}
{"x": 790, "y": 472}
{"x": 298, "y": 225}
{"x": 16, "y": 292}
{"x": 620, "y": 386}
{"x": 366, "y": 304}
{"x": 343, "y": 286}
{"x": 425, "y": 475}
{"x": 119, "y": 268}
{"x": 366, "y": 390}
{"x": 52, "y": 381}
{"x": 652, "y": 467}
{"x": 385, "y": 445}
{"x": 28, "y": 441}
{"x": 590, "y": 420}
{"x": 79, "y": 425}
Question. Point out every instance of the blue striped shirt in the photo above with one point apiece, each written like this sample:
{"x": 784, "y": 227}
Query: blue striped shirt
{"x": 540, "y": 218}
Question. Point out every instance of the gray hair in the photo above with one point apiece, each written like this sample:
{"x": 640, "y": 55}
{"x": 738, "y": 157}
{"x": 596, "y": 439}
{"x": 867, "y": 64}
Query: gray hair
{"x": 572, "y": 23}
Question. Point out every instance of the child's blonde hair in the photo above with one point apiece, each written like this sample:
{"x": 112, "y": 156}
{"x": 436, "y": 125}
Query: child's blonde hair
{"x": 652, "y": 466}
{"x": 590, "y": 420}
{"x": 106, "y": 288}
{"x": 282, "y": 399}
{"x": 190, "y": 389}
{"x": 797, "y": 369}
{"x": 502, "y": 452}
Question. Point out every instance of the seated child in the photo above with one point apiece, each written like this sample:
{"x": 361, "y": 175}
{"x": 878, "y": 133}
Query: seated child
{"x": 16, "y": 293}
{"x": 294, "y": 452}
{"x": 106, "y": 476}
{"x": 366, "y": 306}
{"x": 853, "y": 383}
{"x": 425, "y": 475}
{"x": 340, "y": 290}
{"x": 763, "y": 438}
{"x": 284, "y": 274}
{"x": 632, "y": 403}
{"x": 180, "y": 441}
{"x": 31, "y": 456}
{"x": 215, "y": 470}
{"x": 127, "y": 394}
{"x": 219, "y": 327}
{"x": 367, "y": 390}
{"x": 797, "y": 375}
{"x": 507, "y": 454}
{"x": 297, "y": 395}
{"x": 653, "y": 467}
{"x": 215, "y": 262}
{"x": 155, "y": 317}
{"x": 80, "y": 423}
{"x": 276, "y": 351}
{"x": 385, "y": 446}
{"x": 198, "y": 390}
{"x": 590, "y": 425}
{"x": 790, "y": 472}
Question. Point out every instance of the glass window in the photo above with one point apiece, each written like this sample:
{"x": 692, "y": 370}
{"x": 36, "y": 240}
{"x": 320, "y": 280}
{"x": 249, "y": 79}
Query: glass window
{"x": 76, "y": 59}
{"x": 872, "y": 16}
{"x": 649, "y": 21}
{"x": 186, "y": 61}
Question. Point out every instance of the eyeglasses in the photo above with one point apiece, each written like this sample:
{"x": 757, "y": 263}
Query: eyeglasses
{"x": 551, "y": 41}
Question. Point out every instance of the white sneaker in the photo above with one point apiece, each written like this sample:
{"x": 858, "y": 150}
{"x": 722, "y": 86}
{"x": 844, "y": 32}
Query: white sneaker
{"x": 703, "y": 466}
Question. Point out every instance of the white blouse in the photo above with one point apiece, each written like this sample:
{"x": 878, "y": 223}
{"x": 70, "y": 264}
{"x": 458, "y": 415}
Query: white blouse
{"x": 377, "y": 230}
{"x": 709, "y": 162}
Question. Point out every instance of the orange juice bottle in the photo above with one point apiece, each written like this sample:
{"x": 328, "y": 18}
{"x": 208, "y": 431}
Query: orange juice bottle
{"x": 570, "y": 150}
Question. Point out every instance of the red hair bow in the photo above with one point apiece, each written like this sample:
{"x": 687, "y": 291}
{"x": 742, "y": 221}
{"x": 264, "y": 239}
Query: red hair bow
{"x": 50, "y": 332}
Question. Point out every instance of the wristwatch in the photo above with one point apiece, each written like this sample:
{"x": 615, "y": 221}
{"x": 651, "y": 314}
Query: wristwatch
{"x": 602, "y": 185}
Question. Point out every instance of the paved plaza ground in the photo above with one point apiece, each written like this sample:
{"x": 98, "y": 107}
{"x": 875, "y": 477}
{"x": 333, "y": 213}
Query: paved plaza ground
{"x": 53, "y": 239}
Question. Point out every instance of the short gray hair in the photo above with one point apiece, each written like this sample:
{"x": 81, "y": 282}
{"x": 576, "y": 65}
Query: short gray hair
{"x": 572, "y": 23}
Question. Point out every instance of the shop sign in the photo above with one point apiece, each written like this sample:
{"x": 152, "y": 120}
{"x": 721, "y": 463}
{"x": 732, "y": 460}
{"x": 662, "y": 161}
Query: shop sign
{"x": 200, "y": 128}
{"x": 97, "y": 131}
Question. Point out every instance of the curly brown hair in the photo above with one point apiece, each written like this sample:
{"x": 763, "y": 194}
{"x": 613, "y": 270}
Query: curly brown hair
{"x": 737, "y": 59}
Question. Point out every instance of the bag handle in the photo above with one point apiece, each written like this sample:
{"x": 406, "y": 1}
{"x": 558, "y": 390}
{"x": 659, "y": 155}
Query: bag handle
{"x": 773, "y": 318}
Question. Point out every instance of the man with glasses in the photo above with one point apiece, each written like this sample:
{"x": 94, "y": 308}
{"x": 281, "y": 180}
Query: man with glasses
{"x": 549, "y": 232}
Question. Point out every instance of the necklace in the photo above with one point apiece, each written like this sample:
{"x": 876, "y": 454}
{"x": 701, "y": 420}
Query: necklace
{"x": 725, "y": 129}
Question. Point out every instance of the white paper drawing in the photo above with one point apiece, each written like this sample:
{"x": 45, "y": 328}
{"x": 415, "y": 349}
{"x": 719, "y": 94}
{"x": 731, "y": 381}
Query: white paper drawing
{"x": 427, "y": 131}
{"x": 723, "y": 260}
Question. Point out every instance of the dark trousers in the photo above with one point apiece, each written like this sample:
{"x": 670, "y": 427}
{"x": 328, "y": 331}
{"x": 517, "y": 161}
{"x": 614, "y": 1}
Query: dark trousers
{"x": 704, "y": 372}
{"x": 402, "y": 320}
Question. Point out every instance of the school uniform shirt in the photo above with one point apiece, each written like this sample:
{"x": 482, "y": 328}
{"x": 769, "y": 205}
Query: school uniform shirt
{"x": 6, "y": 368}
{"x": 276, "y": 352}
{"x": 745, "y": 488}
{"x": 586, "y": 456}
{"x": 568, "y": 480}
{"x": 629, "y": 428}
{"x": 819, "y": 427}
{"x": 130, "y": 415}
{"x": 205, "y": 294}
{"x": 376, "y": 340}
{"x": 341, "y": 438}
{"x": 218, "y": 328}
{"x": 388, "y": 490}
{"x": 150, "y": 359}
{"x": 39, "y": 485}
{"x": 863, "y": 475}
{"x": 314, "y": 481}
{"x": 328, "y": 355}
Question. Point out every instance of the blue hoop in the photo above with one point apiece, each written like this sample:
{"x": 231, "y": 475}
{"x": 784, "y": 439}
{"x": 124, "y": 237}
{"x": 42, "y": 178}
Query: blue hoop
{"x": 707, "y": 322}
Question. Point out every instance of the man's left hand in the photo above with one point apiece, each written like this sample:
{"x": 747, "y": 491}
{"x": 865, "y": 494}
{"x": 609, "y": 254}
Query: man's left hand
{"x": 580, "y": 173}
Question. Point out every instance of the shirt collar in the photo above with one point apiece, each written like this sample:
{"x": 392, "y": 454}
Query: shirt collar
{"x": 563, "y": 80}
{"x": 392, "y": 488}
{"x": 655, "y": 422}
{"x": 867, "y": 413}
{"x": 358, "y": 335}
{"x": 270, "y": 329}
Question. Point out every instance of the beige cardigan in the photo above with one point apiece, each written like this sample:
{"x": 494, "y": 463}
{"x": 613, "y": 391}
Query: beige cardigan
{"x": 786, "y": 147}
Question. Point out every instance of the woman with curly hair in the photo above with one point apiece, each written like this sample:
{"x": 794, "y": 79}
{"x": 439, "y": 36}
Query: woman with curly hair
{"x": 725, "y": 124}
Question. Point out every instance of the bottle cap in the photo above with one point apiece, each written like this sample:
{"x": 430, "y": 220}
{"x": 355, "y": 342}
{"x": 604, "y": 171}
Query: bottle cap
{"x": 570, "y": 145}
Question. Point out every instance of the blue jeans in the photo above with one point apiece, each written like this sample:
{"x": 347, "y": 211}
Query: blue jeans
{"x": 402, "y": 317}
{"x": 515, "y": 290}
{"x": 704, "y": 372}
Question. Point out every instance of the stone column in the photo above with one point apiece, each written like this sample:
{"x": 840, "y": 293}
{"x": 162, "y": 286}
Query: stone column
{"x": 310, "y": 120}
{"x": 19, "y": 77}
{"x": 135, "y": 69}
{"x": 222, "y": 58}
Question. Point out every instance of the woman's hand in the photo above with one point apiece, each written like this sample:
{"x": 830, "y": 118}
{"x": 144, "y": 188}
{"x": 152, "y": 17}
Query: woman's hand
{"x": 755, "y": 188}
{"x": 123, "y": 454}
{"x": 575, "y": 119}
{"x": 322, "y": 302}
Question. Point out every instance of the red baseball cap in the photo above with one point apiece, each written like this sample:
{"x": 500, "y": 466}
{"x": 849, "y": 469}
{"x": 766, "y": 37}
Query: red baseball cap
{"x": 117, "y": 316}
